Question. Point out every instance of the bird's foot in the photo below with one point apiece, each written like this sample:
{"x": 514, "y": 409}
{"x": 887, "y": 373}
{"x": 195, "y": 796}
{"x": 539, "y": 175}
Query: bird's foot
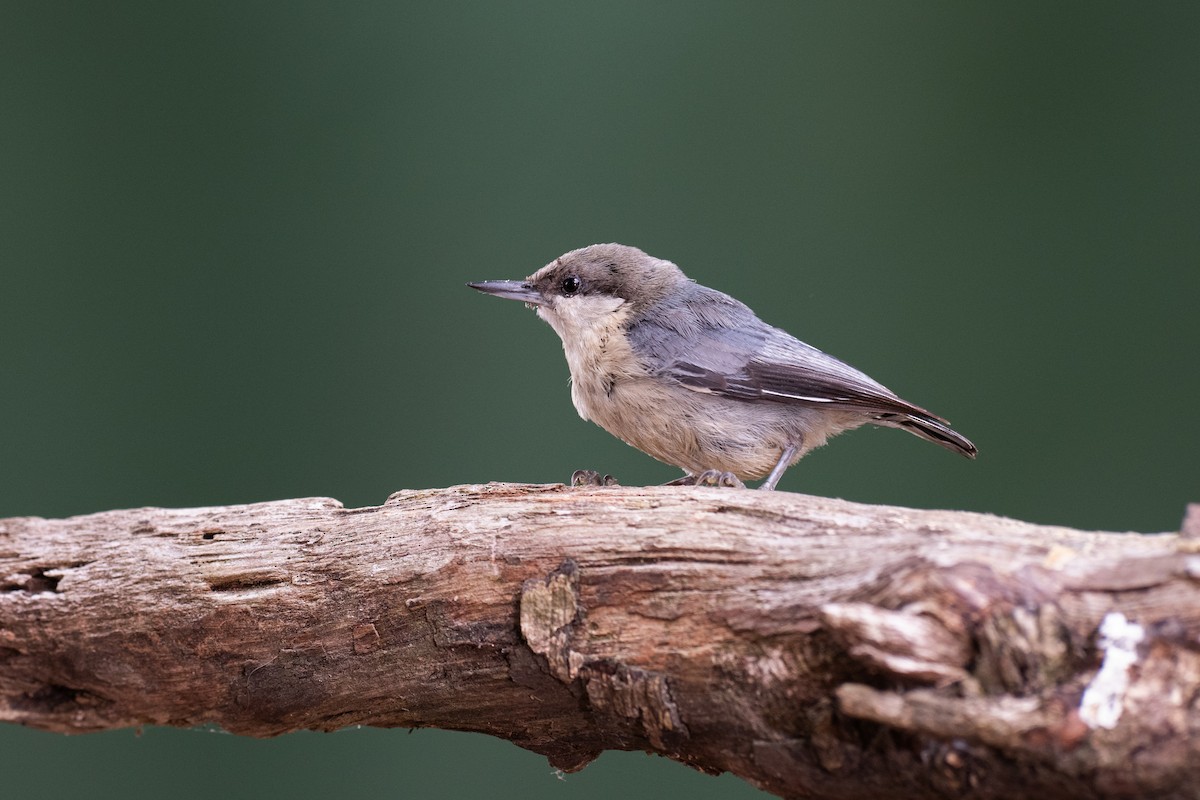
{"x": 714, "y": 477}
{"x": 589, "y": 477}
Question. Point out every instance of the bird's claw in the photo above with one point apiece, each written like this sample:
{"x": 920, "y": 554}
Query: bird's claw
{"x": 715, "y": 477}
{"x": 589, "y": 477}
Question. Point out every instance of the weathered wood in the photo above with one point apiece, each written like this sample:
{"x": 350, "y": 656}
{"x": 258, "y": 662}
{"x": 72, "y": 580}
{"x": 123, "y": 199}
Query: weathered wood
{"x": 815, "y": 647}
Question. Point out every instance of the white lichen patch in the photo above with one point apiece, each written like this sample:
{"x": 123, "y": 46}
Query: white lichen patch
{"x": 1104, "y": 699}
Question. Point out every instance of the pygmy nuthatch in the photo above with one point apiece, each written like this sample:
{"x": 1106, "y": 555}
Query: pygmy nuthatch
{"x": 693, "y": 377}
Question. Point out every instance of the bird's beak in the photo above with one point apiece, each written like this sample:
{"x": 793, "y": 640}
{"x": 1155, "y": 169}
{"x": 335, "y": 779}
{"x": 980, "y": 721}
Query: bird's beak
{"x": 511, "y": 290}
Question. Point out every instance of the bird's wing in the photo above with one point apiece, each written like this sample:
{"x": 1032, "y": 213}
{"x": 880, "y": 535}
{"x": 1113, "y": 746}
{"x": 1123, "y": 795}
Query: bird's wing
{"x": 712, "y": 343}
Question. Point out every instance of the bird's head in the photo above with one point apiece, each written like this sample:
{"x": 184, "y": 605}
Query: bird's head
{"x": 579, "y": 292}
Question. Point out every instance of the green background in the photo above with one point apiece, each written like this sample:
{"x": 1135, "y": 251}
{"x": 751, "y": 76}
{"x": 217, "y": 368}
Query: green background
{"x": 233, "y": 238}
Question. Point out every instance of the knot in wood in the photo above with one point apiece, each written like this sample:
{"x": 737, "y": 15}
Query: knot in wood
{"x": 548, "y": 607}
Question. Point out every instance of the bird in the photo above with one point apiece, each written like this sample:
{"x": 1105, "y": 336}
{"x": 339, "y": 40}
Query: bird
{"x": 693, "y": 377}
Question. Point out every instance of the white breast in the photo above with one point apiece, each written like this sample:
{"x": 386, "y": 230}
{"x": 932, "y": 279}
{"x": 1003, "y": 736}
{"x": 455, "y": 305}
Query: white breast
{"x": 597, "y": 353}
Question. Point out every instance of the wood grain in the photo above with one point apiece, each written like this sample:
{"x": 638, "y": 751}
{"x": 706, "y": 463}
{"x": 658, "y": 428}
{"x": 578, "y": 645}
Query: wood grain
{"x": 815, "y": 647}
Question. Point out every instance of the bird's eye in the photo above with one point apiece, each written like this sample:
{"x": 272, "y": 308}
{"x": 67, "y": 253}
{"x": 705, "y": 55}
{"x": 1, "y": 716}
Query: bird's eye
{"x": 570, "y": 285}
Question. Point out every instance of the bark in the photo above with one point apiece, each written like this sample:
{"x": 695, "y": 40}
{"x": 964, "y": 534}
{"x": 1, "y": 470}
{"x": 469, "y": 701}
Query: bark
{"x": 816, "y": 648}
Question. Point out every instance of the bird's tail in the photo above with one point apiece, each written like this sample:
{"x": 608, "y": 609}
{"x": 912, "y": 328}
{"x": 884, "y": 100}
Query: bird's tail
{"x": 934, "y": 429}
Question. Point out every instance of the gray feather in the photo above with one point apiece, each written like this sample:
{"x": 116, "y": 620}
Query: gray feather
{"x": 709, "y": 342}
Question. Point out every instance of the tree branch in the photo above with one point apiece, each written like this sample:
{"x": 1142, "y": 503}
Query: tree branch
{"x": 814, "y": 647}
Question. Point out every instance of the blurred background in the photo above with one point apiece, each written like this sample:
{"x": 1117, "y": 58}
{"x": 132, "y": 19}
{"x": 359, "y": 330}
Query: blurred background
{"x": 234, "y": 237}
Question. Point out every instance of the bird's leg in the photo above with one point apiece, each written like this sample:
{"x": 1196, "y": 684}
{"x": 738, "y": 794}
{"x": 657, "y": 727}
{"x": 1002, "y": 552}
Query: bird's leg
{"x": 589, "y": 477}
{"x": 684, "y": 480}
{"x": 784, "y": 461}
{"x": 709, "y": 477}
